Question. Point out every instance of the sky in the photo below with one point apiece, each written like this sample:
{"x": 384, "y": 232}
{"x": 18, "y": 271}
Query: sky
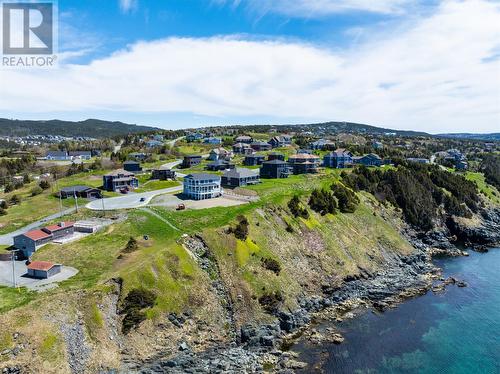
{"x": 431, "y": 66}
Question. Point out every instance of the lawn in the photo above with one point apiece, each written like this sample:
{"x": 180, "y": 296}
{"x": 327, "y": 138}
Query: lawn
{"x": 486, "y": 189}
{"x": 153, "y": 185}
{"x": 11, "y": 298}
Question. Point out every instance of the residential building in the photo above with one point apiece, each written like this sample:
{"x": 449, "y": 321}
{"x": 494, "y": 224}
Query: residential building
{"x": 84, "y": 192}
{"x": 377, "y": 145}
{"x": 242, "y": 148}
{"x": 163, "y": 173}
{"x": 281, "y": 141}
{"x": 29, "y": 242}
{"x": 58, "y": 156}
{"x": 240, "y": 177}
{"x": 304, "y": 163}
{"x": 461, "y": 165}
{"x": 219, "y": 154}
{"x": 153, "y": 143}
{"x": 81, "y": 155}
{"x": 43, "y": 269}
{"x": 322, "y": 144}
{"x": 275, "y": 169}
{"x": 132, "y": 166}
{"x": 138, "y": 156}
{"x": 192, "y": 137}
{"x": 220, "y": 165}
{"x": 253, "y": 160}
{"x": 202, "y": 186}
{"x": 260, "y": 146}
{"x": 243, "y": 139}
{"x": 158, "y": 137}
{"x": 119, "y": 179}
{"x": 212, "y": 140}
{"x": 191, "y": 160}
{"x": 418, "y": 160}
{"x": 339, "y": 159}
{"x": 275, "y": 156}
{"x": 370, "y": 159}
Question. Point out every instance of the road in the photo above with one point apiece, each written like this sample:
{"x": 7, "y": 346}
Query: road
{"x": 130, "y": 201}
{"x": 8, "y": 239}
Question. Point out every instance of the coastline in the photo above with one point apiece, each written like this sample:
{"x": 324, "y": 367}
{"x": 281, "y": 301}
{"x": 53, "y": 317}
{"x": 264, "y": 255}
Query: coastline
{"x": 266, "y": 347}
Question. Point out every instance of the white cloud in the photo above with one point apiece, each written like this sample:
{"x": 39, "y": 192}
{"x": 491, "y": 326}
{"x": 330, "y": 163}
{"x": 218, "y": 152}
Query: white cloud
{"x": 319, "y": 8}
{"x": 127, "y": 5}
{"x": 437, "y": 75}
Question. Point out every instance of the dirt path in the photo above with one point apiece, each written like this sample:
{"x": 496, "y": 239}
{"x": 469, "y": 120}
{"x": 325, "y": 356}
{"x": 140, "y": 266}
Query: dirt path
{"x": 148, "y": 210}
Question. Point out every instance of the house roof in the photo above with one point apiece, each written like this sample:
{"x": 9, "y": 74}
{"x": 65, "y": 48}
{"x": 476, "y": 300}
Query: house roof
{"x": 240, "y": 173}
{"x": 241, "y": 145}
{"x": 77, "y": 189}
{"x": 303, "y": 156}
{"x": 57, "y": 227}
{"x": 259, "y": 143}
{"x": 275, "y": 161}
{"x": 115, "y": 173}
{"x": 36, "y": 234}
{"x": 78, "y": 153}
{"x": 246, "y": 137}
{"x": 201, "y": 176}
{"x": 57, "y": 153}
{"x": 192, "y": 156}
{"x": 254, "y": 156}
{"x": 131, "y": 163}
{"x": 41, "y": 265}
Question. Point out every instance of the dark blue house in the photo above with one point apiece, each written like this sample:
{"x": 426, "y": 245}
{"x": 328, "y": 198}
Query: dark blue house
{"x": 253, "y": 160}
{"x": 339, "y": 159}
{"x": 275, "y": 169}
{"x": 370, "y": 159}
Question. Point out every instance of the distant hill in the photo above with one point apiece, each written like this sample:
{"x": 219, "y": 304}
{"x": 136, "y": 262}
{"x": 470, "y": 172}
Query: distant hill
{"x": 91, "y": 127}
{"x": 491, "y": 137}
{"x": 351, "y": 127}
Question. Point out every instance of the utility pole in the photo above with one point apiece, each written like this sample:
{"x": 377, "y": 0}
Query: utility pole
{"x": 76, "y": 199}
{"x": 14, "y": 268}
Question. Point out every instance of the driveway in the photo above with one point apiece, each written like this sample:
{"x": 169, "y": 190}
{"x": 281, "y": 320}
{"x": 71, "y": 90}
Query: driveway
{"x": 31, "y": 283}
{"x": 129, "y": 201}
{"x": 8, "y": 239}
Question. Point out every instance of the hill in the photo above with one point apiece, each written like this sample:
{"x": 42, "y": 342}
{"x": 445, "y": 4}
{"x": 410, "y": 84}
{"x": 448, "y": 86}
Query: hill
{"x": 491, "y": 137}
{"x": 91, "y": 128}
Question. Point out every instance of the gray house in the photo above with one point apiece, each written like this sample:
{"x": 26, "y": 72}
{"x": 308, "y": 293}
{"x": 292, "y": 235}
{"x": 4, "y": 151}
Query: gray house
{"x": 202, "y": 186}
{"x": 240, "y": 177}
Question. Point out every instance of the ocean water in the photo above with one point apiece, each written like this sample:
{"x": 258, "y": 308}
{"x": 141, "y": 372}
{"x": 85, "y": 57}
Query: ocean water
{"x": 457, "y": 331}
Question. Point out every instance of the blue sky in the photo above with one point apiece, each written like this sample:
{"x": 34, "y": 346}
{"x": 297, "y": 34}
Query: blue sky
{"x": 406, "y": 64}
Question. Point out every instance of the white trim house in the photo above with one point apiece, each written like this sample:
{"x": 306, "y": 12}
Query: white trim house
{"x": 202, "y": 186}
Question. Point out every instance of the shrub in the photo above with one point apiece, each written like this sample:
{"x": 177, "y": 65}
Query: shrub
{"x": 297, "y": 209}
{"x": 271, "y": 264}
{"x": 323, "y": 202}
{"x": 9, "y": 187}
{"x": 131, "y": 246}
{"x": 37, "y": 190}
{"x": 3, "y": 212}
{"x": 347, "y": 199}
{"x": 136, "y": 301}
{"x": 44, "y": 184}
{"x": 4, "y": 204}
{"x": 15, "y": 200}
{"x": 271, "y": 302}
{"x": 241, "y": 229}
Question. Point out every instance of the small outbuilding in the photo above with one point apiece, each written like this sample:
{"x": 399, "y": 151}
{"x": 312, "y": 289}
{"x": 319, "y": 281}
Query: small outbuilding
{"x": 43, "y": 269}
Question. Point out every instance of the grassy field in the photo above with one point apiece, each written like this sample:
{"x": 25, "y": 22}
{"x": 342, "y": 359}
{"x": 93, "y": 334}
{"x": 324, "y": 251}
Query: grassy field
{"x": 156, "y": 185}
{"x": 486, "y": 189}
{"x": 11, "y": 298}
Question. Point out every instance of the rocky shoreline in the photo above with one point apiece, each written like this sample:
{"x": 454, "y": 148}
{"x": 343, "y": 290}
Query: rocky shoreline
{"x": 264, "y": 348}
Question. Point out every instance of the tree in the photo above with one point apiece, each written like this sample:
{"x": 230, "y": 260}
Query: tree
{"x": 297, "y": 209}
{"x": 323, "y": 202}
{"x": 9, "y": 187}
{"x": 347, "y": 199}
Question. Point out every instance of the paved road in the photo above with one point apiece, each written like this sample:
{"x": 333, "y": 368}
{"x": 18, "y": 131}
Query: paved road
{"x": 8, "y": 239}
{"x": 130, "y": 201}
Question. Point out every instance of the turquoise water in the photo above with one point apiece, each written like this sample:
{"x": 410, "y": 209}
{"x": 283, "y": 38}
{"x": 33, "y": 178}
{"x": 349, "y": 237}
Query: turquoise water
{"x": 457, "y": 331}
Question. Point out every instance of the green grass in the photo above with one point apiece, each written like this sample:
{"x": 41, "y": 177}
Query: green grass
{"x": 153, "y": 185}
{"x": 11, "y": 298}
{"x": 486, "y": 189}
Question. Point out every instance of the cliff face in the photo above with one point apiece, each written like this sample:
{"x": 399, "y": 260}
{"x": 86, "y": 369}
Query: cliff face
{"x": 226, "y": 303}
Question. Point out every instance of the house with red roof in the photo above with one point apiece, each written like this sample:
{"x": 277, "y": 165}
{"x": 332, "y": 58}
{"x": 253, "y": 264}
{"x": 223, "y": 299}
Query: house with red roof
{"x": 43, "y": 269}
{"x": 29, "y": 242}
